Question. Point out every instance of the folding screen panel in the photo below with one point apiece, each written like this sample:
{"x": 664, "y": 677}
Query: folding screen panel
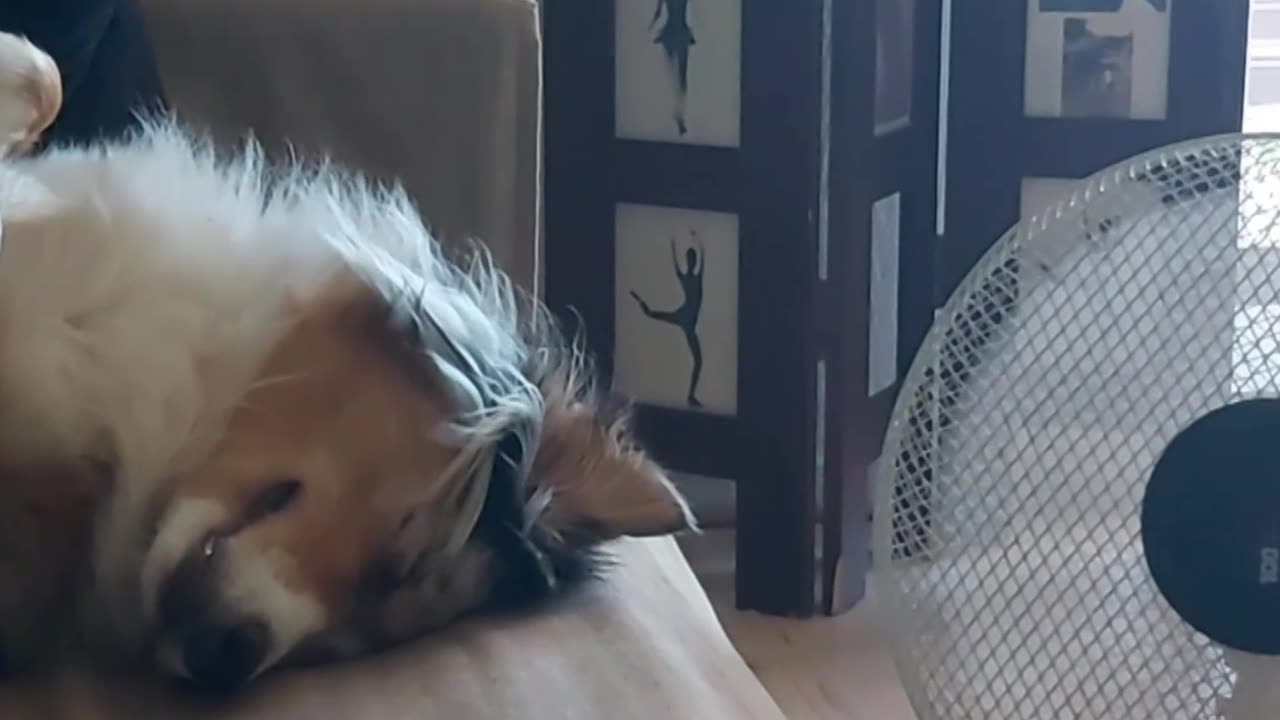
{"x": 878, "y": 253}
{"x": 682, "y": 187}
{"x": 742, "y": 210}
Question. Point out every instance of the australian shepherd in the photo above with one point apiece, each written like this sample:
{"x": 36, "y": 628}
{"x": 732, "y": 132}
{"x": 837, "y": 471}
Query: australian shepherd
{"x": 252, "y": 416}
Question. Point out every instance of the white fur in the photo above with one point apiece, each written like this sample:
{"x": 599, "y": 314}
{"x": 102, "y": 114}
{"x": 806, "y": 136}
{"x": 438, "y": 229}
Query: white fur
{"x": 143, "y": 282}
{"x": 255, "y": 587}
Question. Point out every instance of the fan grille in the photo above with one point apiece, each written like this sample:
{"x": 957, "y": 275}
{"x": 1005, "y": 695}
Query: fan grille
{"x": 1008, "y": 556}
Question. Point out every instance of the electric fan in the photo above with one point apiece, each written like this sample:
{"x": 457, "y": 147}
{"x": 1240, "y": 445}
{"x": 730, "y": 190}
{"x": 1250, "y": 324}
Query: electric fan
{"x": 1077, "y": 509}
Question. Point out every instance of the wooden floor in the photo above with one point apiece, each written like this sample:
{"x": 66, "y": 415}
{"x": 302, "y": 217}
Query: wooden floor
{"x": 819, "y": 669}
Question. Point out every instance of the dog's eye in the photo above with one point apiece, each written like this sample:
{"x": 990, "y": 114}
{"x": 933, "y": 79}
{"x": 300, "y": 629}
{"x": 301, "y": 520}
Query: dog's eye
{"x": 276, "y": 497}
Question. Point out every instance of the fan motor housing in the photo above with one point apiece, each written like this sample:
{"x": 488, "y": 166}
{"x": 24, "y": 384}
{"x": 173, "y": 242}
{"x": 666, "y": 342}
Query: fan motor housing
{"x": 1211, "y": 525}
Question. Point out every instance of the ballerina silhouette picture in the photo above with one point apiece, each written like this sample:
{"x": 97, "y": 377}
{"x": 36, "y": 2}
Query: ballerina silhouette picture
{"x": 686, "y": 316}
{"x": 675, "y": 37}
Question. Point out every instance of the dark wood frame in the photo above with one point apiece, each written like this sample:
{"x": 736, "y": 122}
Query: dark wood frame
{"x": 771, "y": 183}
{"x": 864, "y": 168}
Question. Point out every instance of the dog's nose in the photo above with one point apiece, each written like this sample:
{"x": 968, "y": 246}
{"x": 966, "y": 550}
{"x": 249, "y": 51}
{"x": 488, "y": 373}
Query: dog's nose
{"x": 221, "y": 659}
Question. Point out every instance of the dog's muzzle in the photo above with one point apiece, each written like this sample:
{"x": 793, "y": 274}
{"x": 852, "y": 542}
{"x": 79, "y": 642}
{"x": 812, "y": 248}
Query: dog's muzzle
{"x": 215, "y": 649}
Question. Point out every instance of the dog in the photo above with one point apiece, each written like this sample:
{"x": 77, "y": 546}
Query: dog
{"x": 271, "y": 421}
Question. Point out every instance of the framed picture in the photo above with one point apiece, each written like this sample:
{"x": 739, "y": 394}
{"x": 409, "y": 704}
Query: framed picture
{"x": 677, "y": 71}
{"x": 676, "y": 307}
{"x": 1097, "y": 58}
{"x": 895, "y": 50}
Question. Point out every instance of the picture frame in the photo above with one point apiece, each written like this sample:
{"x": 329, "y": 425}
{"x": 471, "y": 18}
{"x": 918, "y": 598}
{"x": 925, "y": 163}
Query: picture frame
{"x": 677, "y": 67}
{"x": 1097, "y": 59}
{"x": 676, "y": 307}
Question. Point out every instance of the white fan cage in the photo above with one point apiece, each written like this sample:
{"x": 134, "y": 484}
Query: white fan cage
{"x": 1007, "y": 555}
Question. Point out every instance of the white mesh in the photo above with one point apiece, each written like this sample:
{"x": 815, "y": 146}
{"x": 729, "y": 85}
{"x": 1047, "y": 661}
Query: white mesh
{"x": 1007, "y": 547}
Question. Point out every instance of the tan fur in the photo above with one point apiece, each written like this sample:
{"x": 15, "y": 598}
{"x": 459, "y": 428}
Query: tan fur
{"x": 594, "y": 472}
{"x": 334, "y": 409}
{"x": 346, "y": 408}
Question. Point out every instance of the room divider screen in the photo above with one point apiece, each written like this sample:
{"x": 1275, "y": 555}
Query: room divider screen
{"x": 751, "y": 212}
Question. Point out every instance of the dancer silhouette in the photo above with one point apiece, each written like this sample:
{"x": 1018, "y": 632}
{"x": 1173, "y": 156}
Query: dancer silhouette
{"x": 676, "y": 37}
{"x": 685, "y": 317}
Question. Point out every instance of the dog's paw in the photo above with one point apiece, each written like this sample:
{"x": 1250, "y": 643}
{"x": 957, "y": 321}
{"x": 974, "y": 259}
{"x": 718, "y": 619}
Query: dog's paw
{"x": 30, "y": 93}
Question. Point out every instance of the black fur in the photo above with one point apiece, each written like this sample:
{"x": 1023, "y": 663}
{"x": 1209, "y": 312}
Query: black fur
{"x": 533, "y": 565}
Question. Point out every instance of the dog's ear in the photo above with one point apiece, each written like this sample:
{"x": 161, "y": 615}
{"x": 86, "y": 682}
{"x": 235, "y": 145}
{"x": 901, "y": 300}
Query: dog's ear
{"x": 596, "y": 482}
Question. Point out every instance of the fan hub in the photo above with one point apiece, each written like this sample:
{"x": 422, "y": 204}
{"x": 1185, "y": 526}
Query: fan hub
{"x": 1211, "y": 525}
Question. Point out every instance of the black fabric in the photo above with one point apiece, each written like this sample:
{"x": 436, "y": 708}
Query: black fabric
{"x": 105, "y": 57}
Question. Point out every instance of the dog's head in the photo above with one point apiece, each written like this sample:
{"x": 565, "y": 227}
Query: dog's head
{"x": 382, "y": 478}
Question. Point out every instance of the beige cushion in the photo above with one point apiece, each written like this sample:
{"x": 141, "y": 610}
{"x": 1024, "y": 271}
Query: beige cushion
{"x": 642, "y": 645}
{"x": 443, "y": 95}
